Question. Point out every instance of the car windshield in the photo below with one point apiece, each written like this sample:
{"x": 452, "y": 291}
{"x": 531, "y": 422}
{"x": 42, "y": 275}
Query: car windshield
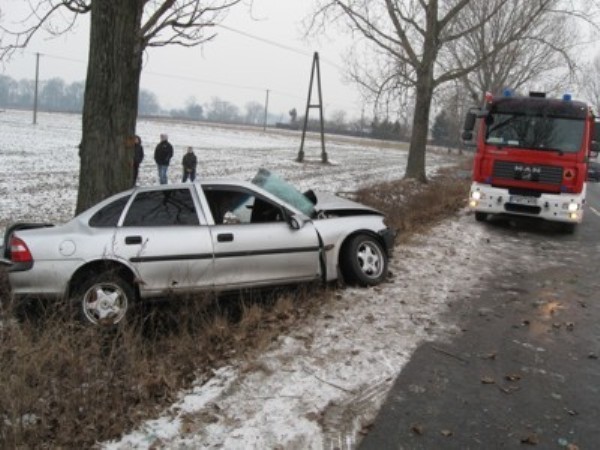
{"x": 283, "y": 191}
{"x": 535, "y": 132}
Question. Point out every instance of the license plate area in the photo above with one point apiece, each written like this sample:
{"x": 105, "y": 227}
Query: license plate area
{"x": 523, "y": 200}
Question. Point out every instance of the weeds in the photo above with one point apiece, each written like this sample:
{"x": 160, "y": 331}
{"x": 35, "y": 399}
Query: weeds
{"x": 66, "y": 385}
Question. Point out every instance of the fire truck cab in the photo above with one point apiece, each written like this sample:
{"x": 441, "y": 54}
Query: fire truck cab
{"x": 532, "y": 157}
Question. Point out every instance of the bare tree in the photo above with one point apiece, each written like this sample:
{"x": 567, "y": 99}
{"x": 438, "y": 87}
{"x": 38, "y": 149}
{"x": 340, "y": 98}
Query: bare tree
{"x": 254, "y": 113}
{"x": 591, "y": 82}
{"x": 413, "y": 43}
{"x": 542, "y": 55}
{"x": 120, "y": 32}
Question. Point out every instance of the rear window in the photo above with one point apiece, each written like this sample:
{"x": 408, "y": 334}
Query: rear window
{"x": 109, "y": 215}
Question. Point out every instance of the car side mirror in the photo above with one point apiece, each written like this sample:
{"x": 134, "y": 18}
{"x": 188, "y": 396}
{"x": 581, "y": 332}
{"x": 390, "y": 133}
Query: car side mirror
{"x": 467, "y": 135}
{"x": 297, "y": 221}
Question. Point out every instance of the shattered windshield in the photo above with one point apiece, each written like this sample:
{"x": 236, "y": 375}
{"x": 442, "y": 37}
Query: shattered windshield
{"x": 535, "y": 132}
{"x": 283, "y": 191}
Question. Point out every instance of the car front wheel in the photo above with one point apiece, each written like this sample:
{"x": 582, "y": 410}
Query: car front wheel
{"x": 104, "y": 300}
{"x": 363, "y": 261}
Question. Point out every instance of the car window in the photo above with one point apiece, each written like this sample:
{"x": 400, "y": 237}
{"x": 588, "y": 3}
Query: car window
{"x": 109, "y": 215}
{"x": 284, "y": 191}
{"x": 231, "y": 206}
{"x": 162, "y": 208}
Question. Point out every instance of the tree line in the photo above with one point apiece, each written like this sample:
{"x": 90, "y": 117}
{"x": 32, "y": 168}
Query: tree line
{"x": 56, "y": 95}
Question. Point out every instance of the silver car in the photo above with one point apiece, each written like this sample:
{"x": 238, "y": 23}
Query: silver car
{"x": 160, "y": 241}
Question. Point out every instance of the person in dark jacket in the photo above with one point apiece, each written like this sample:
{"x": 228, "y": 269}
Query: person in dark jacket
{"x": 190, "y": 162}
{"x": 162, "y": 155}
{"x": 138, "y": 157}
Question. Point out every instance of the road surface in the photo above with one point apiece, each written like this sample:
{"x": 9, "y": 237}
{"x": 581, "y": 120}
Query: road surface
{"x": 525, "y": 370}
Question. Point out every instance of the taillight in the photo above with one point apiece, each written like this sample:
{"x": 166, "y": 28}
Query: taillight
{"x": 19, "y": 253}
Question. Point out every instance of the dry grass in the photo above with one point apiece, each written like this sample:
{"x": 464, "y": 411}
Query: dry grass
{"x": 66, "y": 385}
{"x": 413, "y": 207}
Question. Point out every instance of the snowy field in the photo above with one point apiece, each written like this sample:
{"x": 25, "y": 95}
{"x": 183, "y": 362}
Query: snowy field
{"x": 40, "y": 164}
{"x": 319, "y": 385}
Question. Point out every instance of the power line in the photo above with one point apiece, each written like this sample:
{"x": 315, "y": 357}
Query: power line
{"x": 279, "y": 45}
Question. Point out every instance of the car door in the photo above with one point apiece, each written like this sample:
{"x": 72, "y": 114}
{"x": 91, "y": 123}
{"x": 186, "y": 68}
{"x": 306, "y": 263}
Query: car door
{"x": 253, "y": 243}
{"x": 165, "y": 237}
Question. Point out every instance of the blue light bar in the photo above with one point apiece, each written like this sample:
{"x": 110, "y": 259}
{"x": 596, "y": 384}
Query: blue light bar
{"x": 507, "y": 92}
{"x": 567, "y": 97}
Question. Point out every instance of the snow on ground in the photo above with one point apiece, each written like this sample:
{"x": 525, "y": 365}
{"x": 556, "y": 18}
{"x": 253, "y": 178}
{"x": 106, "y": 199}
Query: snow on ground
{"x": 317, "y": 386}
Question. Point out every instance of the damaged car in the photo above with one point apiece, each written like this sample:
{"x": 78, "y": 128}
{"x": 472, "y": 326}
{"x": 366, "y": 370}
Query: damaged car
{"x": 179, "y": 239}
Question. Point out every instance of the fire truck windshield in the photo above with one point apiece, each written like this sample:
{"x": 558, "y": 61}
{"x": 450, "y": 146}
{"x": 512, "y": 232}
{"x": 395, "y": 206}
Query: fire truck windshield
{"x": 535, "y": 132}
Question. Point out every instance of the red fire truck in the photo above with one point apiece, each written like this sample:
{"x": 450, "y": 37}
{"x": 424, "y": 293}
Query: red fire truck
{"x": 532, "y": 156}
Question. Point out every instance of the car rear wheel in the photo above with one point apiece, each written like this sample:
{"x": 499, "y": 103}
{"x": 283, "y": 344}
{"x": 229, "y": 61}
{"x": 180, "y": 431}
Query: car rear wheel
{"x": 363, "y": 261}
{"x": 105, "y": 299}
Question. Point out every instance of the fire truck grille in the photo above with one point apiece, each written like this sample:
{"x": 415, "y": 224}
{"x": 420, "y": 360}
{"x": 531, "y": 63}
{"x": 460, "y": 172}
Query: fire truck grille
{"x": 528, "y": 172}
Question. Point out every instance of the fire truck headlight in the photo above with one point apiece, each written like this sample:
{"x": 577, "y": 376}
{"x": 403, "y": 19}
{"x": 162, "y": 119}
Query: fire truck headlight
{"x": 476, "y": 195}
{"x": 572, "y": 207}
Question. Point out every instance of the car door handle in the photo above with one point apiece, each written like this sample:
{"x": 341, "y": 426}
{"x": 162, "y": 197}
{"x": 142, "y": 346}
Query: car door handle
{"x": 132, "y": 240}
{"x": 225, "y": 237}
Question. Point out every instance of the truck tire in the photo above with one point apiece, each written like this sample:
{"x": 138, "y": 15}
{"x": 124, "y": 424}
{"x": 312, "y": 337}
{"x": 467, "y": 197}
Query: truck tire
{"x": 480, "y": 216}
{"x": 569, "y": 228}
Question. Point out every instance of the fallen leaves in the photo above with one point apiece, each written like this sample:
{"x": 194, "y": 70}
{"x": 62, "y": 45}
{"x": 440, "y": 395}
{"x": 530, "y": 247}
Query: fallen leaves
{"x": 531, "y": 439}
{"x": 417, "y": 428}
{"x": 487, "y": 380}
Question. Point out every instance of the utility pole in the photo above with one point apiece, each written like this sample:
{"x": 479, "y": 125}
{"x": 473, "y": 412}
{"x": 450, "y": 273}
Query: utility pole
{"x": 315, "y": 68}
{"x": 266, "y": 111}
{"x": 35, "y": 94}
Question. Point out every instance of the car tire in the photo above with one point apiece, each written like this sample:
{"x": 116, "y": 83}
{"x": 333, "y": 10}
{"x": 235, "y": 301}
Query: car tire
{"x": 104, "y": 300}
{"x": 480, "y": 216}
{"x": 363, "y": 261}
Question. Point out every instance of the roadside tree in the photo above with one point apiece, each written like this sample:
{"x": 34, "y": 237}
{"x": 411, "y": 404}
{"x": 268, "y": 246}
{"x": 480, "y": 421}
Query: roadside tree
{"x": 120, "y": 32}
{"x": 409, "y": 46}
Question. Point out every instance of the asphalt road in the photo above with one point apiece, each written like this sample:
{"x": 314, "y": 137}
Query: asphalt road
{"x": 524, "y": 372}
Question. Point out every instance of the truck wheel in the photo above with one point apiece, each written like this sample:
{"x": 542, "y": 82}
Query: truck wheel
{"x": 363, "y": 261}
{"x": 104, "y": 300}
{"x": 480, "y": 216}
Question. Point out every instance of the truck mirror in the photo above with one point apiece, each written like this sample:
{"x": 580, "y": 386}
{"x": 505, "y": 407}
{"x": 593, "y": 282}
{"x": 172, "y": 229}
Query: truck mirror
{"x": 470, "y": 121}
{"x": 467, "y": 135}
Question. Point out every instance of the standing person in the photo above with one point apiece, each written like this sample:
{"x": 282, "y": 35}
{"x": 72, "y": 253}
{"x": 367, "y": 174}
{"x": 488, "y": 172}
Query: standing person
{"x": 162, "y": 155}
{"x": 138, "y": 157}
{"x": 190, "y": 162}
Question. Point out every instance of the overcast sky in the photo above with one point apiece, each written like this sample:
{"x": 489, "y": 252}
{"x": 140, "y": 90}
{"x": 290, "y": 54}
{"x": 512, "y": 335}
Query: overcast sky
{"x": 233, "y": 67}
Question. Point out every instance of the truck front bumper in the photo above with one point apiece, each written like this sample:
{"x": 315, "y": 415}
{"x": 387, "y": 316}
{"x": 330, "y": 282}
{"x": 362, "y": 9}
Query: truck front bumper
{"x": 566, "y": 207}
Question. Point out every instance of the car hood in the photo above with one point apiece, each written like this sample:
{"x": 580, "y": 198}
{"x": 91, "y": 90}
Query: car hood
{"x": 327, "y": 202}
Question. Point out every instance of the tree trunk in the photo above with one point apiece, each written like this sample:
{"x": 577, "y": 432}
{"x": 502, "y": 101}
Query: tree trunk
{"x": 111, "y": 99}
{"x": 415, "y": 166}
